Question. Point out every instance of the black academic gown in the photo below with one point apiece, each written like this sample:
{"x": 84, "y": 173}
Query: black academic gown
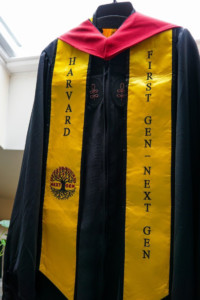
{"x": 100, "y": 263}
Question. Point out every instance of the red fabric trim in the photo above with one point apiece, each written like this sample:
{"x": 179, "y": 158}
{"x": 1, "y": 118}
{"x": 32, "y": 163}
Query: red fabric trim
{"x": 136, "y": 28}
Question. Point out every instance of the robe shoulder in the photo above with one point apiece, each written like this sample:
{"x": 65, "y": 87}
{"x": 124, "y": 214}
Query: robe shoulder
{"x": 50, "y": 50}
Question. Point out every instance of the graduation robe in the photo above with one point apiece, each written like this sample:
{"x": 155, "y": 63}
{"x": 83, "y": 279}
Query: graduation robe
{"x": 107, "y": 204}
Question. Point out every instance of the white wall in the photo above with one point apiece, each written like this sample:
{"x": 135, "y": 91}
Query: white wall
{"x": 20, "y": 102}
{"x": 4, "y": 88}
{"x": 17, "y": 91}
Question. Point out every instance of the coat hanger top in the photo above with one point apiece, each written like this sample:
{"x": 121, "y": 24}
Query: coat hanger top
{"x": 112, "y": 15}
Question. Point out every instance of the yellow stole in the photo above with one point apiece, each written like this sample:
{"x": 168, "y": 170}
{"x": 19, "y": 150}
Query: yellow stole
{"x": 61, "y": 198}
{"x": 148, "y": 177}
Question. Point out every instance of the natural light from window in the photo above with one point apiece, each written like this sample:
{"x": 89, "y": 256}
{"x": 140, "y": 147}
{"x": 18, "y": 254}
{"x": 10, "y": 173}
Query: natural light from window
{"x": 36, "y": 23}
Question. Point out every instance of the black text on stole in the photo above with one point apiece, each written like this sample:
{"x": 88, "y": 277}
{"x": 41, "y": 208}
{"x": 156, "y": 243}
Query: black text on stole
{"x": 147, "y": 145}
{"x": 69, "y": 92}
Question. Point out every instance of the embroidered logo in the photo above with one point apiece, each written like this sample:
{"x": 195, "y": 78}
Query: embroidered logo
{"x": 94, "y": 92}
{"x": 119, "y": 91}
{"x": 62, "y": 183}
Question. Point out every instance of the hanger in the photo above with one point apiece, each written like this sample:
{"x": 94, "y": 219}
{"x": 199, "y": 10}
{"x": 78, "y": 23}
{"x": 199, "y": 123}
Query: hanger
{"x": 112, "y": 15}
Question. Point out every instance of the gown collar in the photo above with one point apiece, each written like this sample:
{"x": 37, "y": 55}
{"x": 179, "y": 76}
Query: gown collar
{"x": 136, "y": 28}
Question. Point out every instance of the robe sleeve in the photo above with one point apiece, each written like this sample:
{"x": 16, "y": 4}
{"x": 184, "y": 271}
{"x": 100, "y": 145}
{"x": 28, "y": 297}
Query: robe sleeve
{"x": 21, "y": 246}
{"x": 186, "y": 269}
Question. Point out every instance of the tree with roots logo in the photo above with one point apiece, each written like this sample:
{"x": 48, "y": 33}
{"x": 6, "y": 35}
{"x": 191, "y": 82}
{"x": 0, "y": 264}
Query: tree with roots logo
{"x": 62, "y": 183}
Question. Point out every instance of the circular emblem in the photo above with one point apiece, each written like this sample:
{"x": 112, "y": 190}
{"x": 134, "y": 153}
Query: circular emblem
{"x": 62, "y": 183}
{"x": 119, "y": 91}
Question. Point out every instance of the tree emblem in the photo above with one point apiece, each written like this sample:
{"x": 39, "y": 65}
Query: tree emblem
{"x": 62, "y": 183}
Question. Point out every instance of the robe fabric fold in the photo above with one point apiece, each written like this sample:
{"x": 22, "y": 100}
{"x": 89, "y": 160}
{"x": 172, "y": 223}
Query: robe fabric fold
{"x": 107, "y": 204}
